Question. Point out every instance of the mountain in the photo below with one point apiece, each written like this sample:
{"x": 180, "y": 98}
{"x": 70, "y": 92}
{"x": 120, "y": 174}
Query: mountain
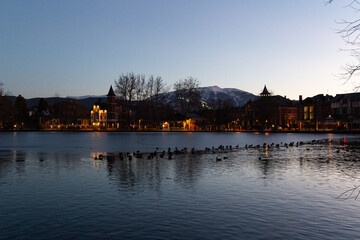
{"x": 86, "y": 97}
{"x": 86, "y": 101}
{"x": 236, "y": 96}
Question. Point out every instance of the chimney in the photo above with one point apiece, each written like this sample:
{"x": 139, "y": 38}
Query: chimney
{"x": 300, "y": 99}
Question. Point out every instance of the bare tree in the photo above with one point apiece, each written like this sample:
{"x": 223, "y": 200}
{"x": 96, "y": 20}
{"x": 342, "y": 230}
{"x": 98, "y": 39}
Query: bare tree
{"x": 121, "y": 86}
{"x": 141, "y": 92}
{"x": 350, "y": 32}
{"x": 154, "y": 88}
{"x": 187, "y": 95}
{"x": 159, "y": 87}
{"x": 130, "y": 87}
{"x": 150, "y": 86}
{"x": 133, "y": 80}
{"x": 219, "y": 112}
{"x": 126, "y": 86}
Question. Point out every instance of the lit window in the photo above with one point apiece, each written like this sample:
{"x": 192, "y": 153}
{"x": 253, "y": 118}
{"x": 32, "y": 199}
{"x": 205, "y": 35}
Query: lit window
{"x": 305, "y": 112}
{"x": 311, "y": 112}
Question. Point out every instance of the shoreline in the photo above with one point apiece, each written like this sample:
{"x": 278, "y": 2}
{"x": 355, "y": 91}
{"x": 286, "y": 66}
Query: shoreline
{"x": 187, "y": 131}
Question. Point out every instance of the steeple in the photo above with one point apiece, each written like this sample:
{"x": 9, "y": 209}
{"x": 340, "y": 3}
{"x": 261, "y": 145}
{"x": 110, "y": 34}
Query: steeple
{"x": 111, "y": 108}
{"x": 265, "y": 92}
{"x": 111, "y": 92}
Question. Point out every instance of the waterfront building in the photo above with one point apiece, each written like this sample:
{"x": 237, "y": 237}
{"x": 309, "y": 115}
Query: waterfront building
{"x": 288, "y": 116}
{"x": 269, "y": 112}
{"x": 194, "y": 122}
{"x": 315, "y": 114}
{"x": 67, "y": 115}
{"x": 111, "y": 107}
{"x": 98, "y": 117}
{"x": 110, "y": 116}
{"x": 345, "y": 109}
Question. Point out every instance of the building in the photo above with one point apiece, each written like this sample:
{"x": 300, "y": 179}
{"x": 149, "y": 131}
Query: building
{"x": 269, "y": 112}
{"x": 345, "y": 109}
{"x": 314, "y": 113}
{"x": 288, "y": 116}
{"x": 98, "y": 117}
{"x": 111, "y": 116}
{"x": 265, "y": 92}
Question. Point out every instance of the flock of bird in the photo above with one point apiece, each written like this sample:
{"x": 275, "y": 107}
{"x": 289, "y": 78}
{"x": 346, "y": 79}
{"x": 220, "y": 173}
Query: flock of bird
{"x": 169, "y": 153}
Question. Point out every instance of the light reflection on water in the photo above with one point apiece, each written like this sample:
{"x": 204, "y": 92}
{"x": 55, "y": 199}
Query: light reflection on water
{"x": 144, "y": 141}
{"x": 254, "y": 193}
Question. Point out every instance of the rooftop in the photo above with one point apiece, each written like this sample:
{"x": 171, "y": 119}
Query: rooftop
{"x": 265, "y": 92}
{"x": 111, "y": 92}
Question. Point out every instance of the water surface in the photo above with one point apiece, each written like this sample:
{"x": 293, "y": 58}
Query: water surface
{"x": 52, "y": 188}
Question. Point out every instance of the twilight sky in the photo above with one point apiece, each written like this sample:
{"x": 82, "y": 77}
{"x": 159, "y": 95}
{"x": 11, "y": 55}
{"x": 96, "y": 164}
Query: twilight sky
{"x": 76, "y": 48}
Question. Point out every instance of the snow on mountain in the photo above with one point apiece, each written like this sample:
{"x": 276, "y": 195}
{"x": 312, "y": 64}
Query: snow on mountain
{"x": 86, "y": 96}
{"x": 236, "y": 96}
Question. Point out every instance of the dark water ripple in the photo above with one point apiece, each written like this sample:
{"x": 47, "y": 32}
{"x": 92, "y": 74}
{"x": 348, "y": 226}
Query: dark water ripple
{"x": 257, "y": 193}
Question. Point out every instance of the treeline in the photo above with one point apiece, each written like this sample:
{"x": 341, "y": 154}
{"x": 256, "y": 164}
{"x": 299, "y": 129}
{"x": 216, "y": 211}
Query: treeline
{"x": 17, "y": 115}
{"x": 13, "y": 114}
{"x": 144, "y": 99}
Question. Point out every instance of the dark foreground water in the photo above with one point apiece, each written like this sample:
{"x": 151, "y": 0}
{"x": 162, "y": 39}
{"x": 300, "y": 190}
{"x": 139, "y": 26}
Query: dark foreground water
{"x": 52, "y": 188}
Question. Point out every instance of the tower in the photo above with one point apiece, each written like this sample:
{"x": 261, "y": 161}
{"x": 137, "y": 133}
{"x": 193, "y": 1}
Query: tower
{"x": 265, "y": 92}
{"x": 111, "y": 107}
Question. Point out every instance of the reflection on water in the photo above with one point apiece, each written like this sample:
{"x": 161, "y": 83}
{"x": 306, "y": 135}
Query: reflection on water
{"x": 140, "y": 173}
{"x": 251, "y": 193}
{"x": 86, "y": 142}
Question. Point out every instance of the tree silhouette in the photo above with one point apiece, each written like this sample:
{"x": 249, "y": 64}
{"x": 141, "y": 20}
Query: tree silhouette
{"x": 6, "y": 110}
{"x": 350, "y": 32}
{"x": 21, "y": 112}
{"x": 187, "y": 95}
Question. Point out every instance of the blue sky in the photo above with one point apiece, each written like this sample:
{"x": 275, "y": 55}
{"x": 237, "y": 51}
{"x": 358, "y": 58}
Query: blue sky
{"x": 76, "y": 48}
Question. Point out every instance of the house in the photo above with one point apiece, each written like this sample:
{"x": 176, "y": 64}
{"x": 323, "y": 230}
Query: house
{"x": 193, "y": 122}
{"x": 98, "y": 117}
{"x": 110, "y": 116}
{"x": 288, "y": 116}
{"x": 314, "y": 113}
{"x": 269, "y": 112}
{"x": 345, "y": 109}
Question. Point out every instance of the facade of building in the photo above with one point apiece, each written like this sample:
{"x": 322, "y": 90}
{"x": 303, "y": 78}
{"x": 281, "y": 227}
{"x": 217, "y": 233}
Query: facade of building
{"x": 98, "y": 117}
{"x": 112, "y": 116}
{"x": 269, "y": 112}
{"x": 318, "y": 113}
{"x": 288, "y": 118}
{"x": 314, "y": 113}
{"x": 345, "y": 109}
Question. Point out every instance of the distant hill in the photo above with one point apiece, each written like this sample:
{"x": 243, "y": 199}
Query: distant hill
{"x": 87, "y": 97}
{"x": 236, "y": 96}
{"x": 87, "y": 102}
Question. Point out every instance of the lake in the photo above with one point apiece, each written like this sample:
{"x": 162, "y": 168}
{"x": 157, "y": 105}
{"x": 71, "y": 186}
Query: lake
{"x": 51, "y": 186}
